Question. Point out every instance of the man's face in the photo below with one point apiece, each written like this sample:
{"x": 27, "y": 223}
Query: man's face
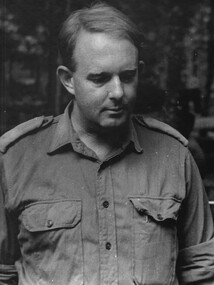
{"x": 104, "y": 82}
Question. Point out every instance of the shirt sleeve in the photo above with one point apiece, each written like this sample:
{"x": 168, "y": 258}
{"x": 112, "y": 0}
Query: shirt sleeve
{"x": 8, "y": 242}
{"x": 195, "y": 231}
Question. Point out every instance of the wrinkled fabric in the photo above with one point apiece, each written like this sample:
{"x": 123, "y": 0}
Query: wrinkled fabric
{"x": 139, "y": 217}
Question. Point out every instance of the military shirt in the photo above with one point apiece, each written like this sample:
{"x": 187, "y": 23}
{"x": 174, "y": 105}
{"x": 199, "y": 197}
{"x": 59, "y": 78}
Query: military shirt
{"x": 140, "y": 216}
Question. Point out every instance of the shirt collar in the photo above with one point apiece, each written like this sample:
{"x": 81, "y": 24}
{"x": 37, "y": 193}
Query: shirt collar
{"x": 133, "y": 138}
{"x": 65, "y": 134}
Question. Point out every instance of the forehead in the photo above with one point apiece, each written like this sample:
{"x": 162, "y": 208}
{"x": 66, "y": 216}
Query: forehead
{"x": 101, "y": 50}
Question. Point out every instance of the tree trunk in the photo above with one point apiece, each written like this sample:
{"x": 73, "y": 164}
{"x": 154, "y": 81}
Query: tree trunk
{"x": 210, "y": 61}
{"x": 52, "y": 60}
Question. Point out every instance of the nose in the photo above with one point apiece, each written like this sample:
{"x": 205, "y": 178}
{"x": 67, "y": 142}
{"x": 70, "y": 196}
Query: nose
{"x": 116, "y": 91}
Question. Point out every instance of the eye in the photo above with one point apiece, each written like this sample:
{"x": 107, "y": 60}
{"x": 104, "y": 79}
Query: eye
{"x": 99, "y": 79}
{"x": 128, "y": 76}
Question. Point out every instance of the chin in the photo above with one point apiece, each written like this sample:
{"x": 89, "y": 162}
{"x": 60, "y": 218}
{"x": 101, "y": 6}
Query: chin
{"x": 114, "y": 125}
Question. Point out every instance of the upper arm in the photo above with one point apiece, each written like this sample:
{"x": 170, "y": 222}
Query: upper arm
{"x": 8, "y": 233}
{"x": 195, "y": 231}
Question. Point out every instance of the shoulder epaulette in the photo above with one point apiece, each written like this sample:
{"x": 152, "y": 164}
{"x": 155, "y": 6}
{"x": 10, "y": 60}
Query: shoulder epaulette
{"x": 157, "y": 125}
{"x": 21, "y": 130}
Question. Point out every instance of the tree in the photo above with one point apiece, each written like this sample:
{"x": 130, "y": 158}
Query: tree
{"x": 175, "y": 46}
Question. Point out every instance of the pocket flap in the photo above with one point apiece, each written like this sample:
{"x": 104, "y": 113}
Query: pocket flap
{"x": 157, "y": 207}
{"x": 50, "y": 215}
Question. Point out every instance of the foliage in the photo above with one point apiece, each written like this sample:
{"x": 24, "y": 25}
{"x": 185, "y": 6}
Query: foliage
{"x": 175, "y": 48}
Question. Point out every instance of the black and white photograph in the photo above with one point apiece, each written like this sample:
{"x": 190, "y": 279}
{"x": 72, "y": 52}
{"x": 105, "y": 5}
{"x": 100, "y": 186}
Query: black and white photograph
{"x": 106, "y": 142}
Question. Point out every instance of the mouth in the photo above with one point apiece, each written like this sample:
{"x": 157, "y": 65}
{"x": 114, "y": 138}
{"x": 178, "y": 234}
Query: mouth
{"x": 115, "y": 109}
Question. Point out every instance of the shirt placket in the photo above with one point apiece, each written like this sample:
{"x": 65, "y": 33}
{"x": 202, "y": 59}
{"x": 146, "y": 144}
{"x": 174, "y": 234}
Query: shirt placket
{"x": 107, "y": 227}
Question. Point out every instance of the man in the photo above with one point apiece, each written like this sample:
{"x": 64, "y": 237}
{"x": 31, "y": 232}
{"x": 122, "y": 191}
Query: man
{"x": 96, "y": 196}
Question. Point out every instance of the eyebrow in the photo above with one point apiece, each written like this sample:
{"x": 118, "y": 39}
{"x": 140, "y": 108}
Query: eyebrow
{"x": 92, "y": 75}
{"x": 134, "y": 70}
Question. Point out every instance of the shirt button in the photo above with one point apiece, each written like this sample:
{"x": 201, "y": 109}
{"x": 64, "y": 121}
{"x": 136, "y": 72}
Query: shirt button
{"x": 108, "y": 245}
{"x": 159, "y": 217}
{"x": 105, "y": 204}
{"x": 49, "y": 223}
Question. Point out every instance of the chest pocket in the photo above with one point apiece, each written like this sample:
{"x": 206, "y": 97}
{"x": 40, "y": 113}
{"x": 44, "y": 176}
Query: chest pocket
{"x": 50, "y": 238}
{"x": 47, "y": 216}
{"x": 154, "y": 236}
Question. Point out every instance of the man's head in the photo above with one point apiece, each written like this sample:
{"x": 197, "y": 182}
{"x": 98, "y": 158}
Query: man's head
{"x": 100, "y": 53}
{"x": 99, "y": 18}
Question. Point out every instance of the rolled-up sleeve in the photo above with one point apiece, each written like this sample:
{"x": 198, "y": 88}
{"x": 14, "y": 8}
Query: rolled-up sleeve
{"x": 8, "y": 243}
{"x": 198, "y": 263}
{"x": 196, "y": 232}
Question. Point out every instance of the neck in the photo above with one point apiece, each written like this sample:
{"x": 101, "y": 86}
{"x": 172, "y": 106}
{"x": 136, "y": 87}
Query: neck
{"x": 102, "y": 142}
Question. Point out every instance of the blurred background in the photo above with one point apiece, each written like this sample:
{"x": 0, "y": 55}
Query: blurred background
{"x": 177, "y": 85}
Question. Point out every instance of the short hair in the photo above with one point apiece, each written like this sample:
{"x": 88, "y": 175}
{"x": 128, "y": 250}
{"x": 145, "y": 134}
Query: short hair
{"x": 100, "y": 17}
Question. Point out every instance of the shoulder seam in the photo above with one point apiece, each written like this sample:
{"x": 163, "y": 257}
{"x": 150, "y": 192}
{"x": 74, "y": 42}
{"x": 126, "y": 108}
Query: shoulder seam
{"x": 160, "y": 126}
{"x": 24, "y": 128}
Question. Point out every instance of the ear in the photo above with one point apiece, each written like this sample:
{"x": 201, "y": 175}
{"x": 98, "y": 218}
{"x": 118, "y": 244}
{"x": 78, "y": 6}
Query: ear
{"x": 66, "y": 78}
{"x": 141, "y": 67}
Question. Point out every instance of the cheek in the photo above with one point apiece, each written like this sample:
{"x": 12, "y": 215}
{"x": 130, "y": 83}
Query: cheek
{"x": 131, "y": 91}
{"x": 91, "y": 101}
{"x": 95, "y": 97}
{"x": 82, "y": 94}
